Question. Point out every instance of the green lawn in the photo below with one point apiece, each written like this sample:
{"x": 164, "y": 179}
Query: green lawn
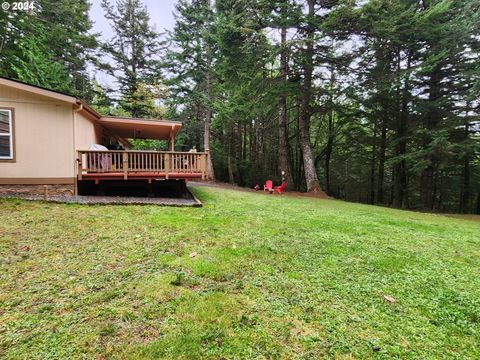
{"x": 274, "y": 277}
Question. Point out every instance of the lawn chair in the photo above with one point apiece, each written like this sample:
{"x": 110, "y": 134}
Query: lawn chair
{"x": 268, "y": 186}
{"x": 280, "y": 189}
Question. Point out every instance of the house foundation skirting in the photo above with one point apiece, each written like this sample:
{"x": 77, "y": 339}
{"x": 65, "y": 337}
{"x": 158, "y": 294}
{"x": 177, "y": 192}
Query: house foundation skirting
{"x": 41, "y": 190}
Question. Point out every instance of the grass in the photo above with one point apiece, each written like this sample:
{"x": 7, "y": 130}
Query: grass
{"x": 274, "y": 277}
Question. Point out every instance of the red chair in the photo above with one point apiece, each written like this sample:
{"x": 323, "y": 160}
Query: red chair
{"x": 268, "y": 186}
{"x": 280, "y": 189}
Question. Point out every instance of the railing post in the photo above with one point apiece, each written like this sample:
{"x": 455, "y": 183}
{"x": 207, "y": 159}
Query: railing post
{"x": 205, "y": 165}
{"x": 167, "y": 165}
{"x": 125, "y": 166}
{"x": 79, "y": 165}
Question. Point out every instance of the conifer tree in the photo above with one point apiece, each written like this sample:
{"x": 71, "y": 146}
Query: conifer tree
{"x": 284, "y": 15}
{"x": 68, "y": 35}
{"x": 190, "y": 60}
{"x": 133, "y": 51}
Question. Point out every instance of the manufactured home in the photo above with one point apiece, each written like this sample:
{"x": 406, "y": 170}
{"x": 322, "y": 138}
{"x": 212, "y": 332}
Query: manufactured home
{"x": 57, "y": 141}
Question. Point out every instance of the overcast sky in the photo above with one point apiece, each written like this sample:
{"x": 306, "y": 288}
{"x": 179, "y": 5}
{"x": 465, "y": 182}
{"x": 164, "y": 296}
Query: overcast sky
{"x": 161, "y": 17}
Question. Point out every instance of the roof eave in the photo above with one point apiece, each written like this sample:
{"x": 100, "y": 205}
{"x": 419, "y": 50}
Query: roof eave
{"x": 38, "y": 90}
{"x": 109, "y": 117}
{"x": 87, "y": 108}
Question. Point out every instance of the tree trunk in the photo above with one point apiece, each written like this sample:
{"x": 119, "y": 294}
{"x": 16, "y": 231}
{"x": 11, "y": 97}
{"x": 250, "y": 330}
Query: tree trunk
{"x": 238, "y": 155}
{"x": 381, "y": 162}
{"x": 373, "y": 160}
{"x": 298, "y": 157}
{"x": 208, "y": 120}
{"x": 465, "y": 186}
{"x": 330, "y": 135}
{"x": 431, "y": 120}
{"x": 231, "y": 178}
{"x": 400, "y": 180}
{"x": 328, "y": 153}
{"x": 438, "y": 191}
{"x": 283, "y": 159}
{"x": 477, "y": 211}
{"x": 426, "y": 187}
{"x": 245, "y": 142}
{"x": 209, "y": 112}
{"x": 311, "y": 177}
{"x": 400, "y": 167}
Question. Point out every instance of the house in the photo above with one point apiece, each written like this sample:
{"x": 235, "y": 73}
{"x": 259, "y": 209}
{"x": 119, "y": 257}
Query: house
{"x": 52, "y": 140}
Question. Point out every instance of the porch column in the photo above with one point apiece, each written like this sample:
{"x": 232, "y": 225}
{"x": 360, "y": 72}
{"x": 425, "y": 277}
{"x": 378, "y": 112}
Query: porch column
{"x": 171, "y": 144}
{"x": 171, "y": 139}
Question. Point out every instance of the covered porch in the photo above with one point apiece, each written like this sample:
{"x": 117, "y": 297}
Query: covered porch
{"x": 126, "y": 164}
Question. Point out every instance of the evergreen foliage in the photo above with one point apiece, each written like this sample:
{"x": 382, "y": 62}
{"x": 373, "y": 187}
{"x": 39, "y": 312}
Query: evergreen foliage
{"x": 384, "y": 94}
{"x": 50, "y": 46}
{"x": 133, "y": 51}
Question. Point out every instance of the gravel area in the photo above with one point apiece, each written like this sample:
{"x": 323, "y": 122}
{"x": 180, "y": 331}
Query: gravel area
{"x": 80, "y": 199}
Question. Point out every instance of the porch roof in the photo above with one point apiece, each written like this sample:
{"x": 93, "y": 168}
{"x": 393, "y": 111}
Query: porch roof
{"x": 132, "y": 128}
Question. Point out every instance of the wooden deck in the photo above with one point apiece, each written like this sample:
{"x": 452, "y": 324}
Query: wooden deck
{"x": 140, "y": 165}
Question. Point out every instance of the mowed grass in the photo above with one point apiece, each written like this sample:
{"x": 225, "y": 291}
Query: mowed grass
{"x": 274, "y": 277}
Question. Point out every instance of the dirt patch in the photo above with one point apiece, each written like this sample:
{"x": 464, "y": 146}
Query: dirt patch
{"x": 472, "y": 217}
{"x": 320, "y": 195}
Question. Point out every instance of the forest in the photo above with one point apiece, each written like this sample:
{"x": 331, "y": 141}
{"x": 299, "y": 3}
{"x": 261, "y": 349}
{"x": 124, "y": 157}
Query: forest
{"x": 373, "y": 101}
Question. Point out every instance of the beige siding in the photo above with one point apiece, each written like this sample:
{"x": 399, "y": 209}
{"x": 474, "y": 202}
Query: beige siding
{"x": 43, "y": 136}
{"x": 86, "y": 132}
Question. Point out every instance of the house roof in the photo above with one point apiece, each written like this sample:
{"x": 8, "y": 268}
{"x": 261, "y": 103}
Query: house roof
{"x": 38, "y": 90}
{"x": 123, "y": 127}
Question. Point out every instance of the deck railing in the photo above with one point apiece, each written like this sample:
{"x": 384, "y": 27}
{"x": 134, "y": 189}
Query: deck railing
{"x": 163, "y": 163}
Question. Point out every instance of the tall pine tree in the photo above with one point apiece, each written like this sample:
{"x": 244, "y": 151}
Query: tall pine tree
{"x": 189, "y": 61}
{"x": 133, "y": 51}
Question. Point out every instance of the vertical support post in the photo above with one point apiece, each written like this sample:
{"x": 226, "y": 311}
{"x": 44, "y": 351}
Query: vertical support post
{"x": 79, "y": 165}
{"x": 171, "y": 139}
{"x": 167, "y": 165}
{"x": 125, "y": 166}
{"x": 150, "y": 188}
{"x": 205, "y": 165}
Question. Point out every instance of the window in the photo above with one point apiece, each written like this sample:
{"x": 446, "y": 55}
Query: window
{"x": 6, "y": 134}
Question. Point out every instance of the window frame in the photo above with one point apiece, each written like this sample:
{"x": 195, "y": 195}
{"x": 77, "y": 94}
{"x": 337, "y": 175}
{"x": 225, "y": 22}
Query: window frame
{"x": 11, "y": 135}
